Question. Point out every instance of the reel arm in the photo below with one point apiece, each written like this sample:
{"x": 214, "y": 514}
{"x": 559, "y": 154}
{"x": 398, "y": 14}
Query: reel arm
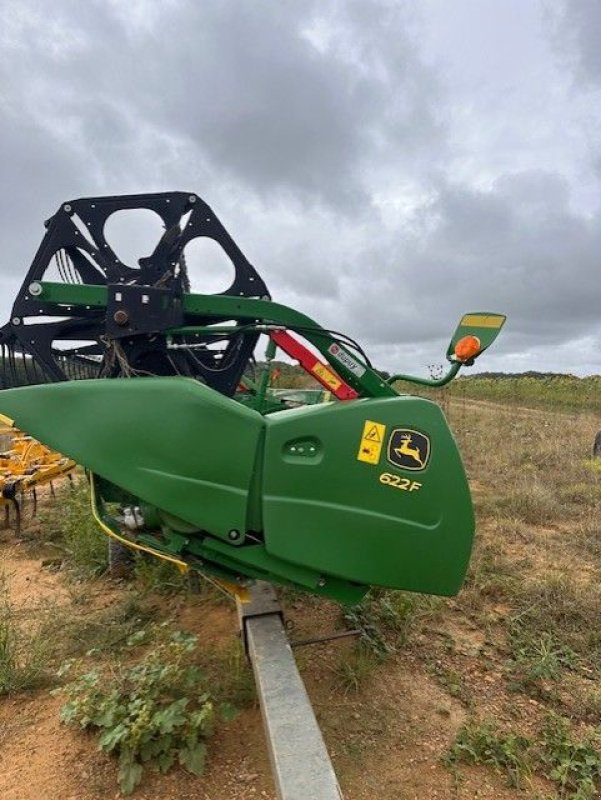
{"x": 474, "y": 334}
{"x": 253, "y": 317}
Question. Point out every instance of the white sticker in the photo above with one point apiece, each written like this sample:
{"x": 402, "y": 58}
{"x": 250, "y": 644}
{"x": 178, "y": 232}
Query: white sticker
{"x": 344, "y": 358}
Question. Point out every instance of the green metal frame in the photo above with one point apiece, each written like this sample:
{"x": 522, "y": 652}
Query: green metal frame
{"x": 261, "y": 314}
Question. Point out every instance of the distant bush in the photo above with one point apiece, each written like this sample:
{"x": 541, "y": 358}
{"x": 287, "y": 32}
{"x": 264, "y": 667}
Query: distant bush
{"x": 562, "y": 392}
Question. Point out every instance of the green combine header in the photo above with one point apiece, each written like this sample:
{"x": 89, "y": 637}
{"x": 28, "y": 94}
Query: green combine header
{"x": 147, "y": 385}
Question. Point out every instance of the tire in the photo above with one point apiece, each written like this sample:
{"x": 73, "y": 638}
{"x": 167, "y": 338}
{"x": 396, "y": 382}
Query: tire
{"x": 597, "y": 446}
{"x": 120, "y": 559}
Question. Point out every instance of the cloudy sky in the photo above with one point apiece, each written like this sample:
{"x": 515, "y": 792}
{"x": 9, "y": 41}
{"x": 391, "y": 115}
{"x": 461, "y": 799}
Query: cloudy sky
{"x": 386, "y": 165}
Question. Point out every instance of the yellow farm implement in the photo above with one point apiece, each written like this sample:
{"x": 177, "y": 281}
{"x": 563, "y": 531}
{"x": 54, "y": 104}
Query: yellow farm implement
{"x": 25, "y": 465}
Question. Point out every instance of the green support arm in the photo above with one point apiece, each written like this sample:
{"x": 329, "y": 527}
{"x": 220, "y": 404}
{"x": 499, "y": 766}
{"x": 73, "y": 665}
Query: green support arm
{"x": 260, "y": 314}
{"x": 264, "y": 316}
{"x": 453, "y": 370}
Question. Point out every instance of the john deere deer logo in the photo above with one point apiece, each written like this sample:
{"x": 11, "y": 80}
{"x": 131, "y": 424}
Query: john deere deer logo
{"x": 408, "y": 449}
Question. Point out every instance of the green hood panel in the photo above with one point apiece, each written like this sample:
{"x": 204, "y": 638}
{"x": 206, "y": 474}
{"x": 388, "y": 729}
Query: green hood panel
{"x": 369, "y": 492}
{"x": 172, "y": 442}
{"x": 373, "y": 520}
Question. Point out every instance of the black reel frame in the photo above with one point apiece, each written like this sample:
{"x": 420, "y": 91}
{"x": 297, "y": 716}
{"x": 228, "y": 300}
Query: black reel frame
{"x": 127, "y": 337}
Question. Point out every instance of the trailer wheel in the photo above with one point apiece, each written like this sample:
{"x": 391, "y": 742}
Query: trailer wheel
{"x": 597, "y": 446}
{"x": 120, "y": 559}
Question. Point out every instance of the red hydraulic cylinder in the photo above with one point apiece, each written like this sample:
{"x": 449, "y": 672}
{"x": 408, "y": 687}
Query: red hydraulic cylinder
{"x": 322, "y": 373}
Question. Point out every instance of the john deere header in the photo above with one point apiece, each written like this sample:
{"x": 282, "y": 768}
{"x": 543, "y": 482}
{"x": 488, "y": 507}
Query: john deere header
{"x": 216, "y": 473}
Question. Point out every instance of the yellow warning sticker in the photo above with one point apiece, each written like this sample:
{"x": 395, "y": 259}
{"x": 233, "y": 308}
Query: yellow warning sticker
{"x": 371, "y": 442}
{"x": 327, "y": 376}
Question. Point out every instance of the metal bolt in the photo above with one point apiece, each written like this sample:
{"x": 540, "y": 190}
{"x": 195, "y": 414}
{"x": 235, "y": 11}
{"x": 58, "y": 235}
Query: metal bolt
{"x": 67, "y": 208}
{"x": 121, "y": 317}
{"x": 321, "y": 582}
{"x": 35, "y": 289}
{"x": 234, "y": 534}
{"x": 192, "y": 198}
{"x": 16, "y": 320}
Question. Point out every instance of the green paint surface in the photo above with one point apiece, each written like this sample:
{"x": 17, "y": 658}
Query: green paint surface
{"x": 308, "y": 511}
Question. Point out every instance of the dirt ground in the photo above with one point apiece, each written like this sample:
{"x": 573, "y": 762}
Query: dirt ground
{"x": 393, "y": 720}
{"x": 389, "y": 733}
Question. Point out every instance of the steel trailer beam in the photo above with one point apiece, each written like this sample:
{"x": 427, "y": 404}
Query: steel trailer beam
{"x": 299, "y": 759}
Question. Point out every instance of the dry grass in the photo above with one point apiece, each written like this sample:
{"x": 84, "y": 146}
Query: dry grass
{"x": 537, "y": 561}
{"x": 534, "y": 582}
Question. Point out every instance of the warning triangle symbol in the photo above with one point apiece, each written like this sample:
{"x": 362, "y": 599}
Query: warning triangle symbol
{"x": 372, "y": 435}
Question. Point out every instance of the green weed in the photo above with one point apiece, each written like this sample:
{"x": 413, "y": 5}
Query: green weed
{"x": 105, "y": 631}
{"x": 537, "y": 659}
{"x": 563, "y": 609}
{"x": 355, "y": 667}
{"x": 230, "y": 676}
{"x": 68, "y": 523}
{"x": 573, "y": 763}
{"x": 155, "y": 711}
{"x": 24, "y": 648}
{"x": 155, "y": 575}
{"x": 385, "y": 619}
{"x": 483, "y": 743}
{"x": 452, "y": 681}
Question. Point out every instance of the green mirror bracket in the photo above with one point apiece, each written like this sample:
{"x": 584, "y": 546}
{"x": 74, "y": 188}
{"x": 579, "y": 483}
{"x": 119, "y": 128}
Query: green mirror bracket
{"x": 454, "y": 369}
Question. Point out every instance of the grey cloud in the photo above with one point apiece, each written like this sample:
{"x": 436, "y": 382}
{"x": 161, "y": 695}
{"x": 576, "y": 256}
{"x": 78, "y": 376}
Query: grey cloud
{"x": 34, "y": 169}
{"x": 245, "y": 85}
{"x": 299, "y": 123}
{"x": 578, "y": 32}
{"x": 516, "y": 248}
{"x": 224, "y": 95}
